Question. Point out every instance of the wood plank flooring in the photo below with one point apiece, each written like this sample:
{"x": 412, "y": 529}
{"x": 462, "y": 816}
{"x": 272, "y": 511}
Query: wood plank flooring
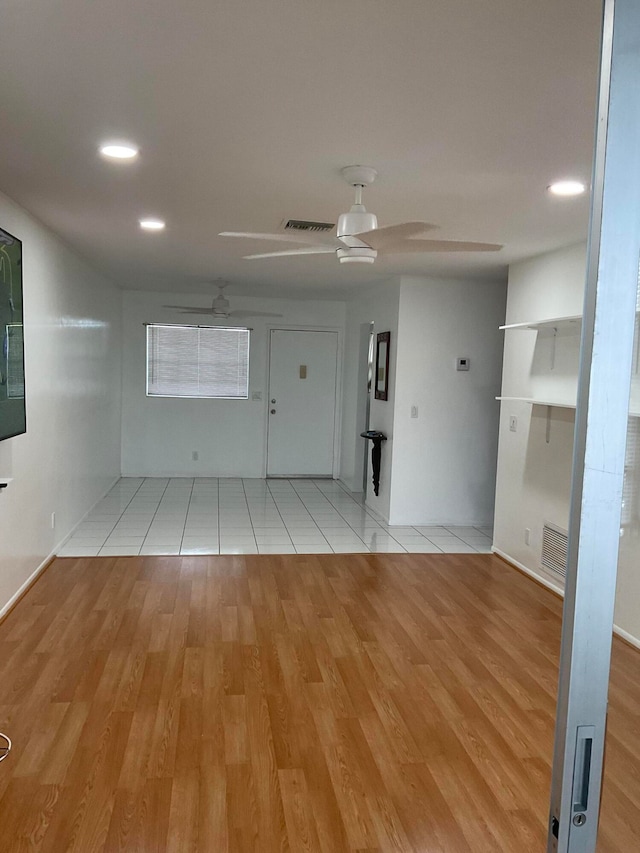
{"x": 304, "y": 703}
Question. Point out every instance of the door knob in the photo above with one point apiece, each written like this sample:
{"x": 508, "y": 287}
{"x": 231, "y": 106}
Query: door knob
{"x": 273, "y": 401}
{"x": 273, "y": 411}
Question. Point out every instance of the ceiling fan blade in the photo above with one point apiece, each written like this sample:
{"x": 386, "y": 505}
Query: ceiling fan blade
{"x": 440, "y": 246}
{"x": 187, "y": 309}
{"x": 254, "y": 314}
{"x": 312, "y": 250}
{"x": 306, "y": 240}
{"x": 380, "y": 237}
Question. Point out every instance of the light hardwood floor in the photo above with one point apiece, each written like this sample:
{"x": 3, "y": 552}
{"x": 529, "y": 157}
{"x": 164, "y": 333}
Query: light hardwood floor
{"x": 320, "y": 703}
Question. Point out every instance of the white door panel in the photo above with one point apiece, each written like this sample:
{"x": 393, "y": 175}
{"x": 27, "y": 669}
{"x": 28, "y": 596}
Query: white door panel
{"x": 302, "y": 382}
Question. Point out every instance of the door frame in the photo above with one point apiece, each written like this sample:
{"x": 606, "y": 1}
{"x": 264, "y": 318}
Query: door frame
{"x": 337, "y": 418}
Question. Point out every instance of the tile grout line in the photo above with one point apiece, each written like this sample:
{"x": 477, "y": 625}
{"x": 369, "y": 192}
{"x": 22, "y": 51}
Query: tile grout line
{"x": 121, "y": 514}
{"x": 286, "y": 526}
{"x": 253, "y": 533}
{"x": 155, "y": 513}
{"x": 356, "y": 504}
{"x": 413, "y": 527}
{"x": 318, "y": 528}
{"x": 123, "y": 511}
{"x": 186, "y": 516}
{"x": 218, "y": 516}
{"x": 279, "y": 513}
{"x": 312, "y": 499}
{"x": 331, "y": 503}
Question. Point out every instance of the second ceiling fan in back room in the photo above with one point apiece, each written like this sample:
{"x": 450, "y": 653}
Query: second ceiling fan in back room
{"x": 358, "y": 239}
{"x": 221, "y": 308}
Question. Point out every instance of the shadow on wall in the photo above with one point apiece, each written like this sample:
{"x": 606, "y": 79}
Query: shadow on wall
{"x": 547, "y": 468}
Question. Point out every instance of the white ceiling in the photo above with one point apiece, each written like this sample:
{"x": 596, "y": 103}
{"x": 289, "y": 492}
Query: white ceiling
{"x": 245, "y": 111}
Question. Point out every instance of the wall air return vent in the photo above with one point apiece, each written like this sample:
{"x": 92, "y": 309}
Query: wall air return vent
{"x": 554, "y": 549}
{"x": 304, "y": 225}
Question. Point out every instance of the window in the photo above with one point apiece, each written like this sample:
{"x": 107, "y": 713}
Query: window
{"x": 197, "y": 361}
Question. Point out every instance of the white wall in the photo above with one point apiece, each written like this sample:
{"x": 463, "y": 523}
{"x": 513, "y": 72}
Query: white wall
{"x": 378, "y": 305}
{"x": 534, "y": 475}
{"x": 534, "y": 463}
{"x": 70, "y": 454}
{"x": 444, "y": 460}
{"x": 159, "y": 434}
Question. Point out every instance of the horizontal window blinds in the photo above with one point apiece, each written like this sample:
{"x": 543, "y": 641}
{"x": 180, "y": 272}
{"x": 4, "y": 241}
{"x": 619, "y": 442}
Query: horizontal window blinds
{"x": 197, "y": 361}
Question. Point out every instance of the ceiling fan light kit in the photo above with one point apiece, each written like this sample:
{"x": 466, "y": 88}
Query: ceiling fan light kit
{"x": 358, "y": 238}
{"x": 357, "y": 256}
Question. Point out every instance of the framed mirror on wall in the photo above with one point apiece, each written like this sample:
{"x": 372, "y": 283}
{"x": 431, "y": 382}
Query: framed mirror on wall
{"x": 382, "y": 365}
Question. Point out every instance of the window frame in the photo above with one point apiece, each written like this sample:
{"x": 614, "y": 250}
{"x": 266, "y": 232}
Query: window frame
{"x": 150, "y": 326}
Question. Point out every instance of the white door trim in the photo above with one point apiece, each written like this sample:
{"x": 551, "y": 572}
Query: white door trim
{"x": 337, "y": 425}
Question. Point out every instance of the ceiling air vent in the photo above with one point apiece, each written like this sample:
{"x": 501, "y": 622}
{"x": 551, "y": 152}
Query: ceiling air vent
{"x": 554, "y": 549}
{"x": 304, "y": 225}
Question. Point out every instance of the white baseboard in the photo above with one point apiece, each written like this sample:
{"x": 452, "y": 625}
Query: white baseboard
{"x": 25, "y": 586}
{"x": 37, "y": 571}
{"x": 378, "y": 516}
{"x": 349, "y": 486}
{"x": 64, "y": 541}
{"x": 625, "y": 635}
{"x": 540, "y": 578}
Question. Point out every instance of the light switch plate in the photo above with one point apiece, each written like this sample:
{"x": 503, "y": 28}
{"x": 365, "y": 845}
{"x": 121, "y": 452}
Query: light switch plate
{"x": 463, "y": 363}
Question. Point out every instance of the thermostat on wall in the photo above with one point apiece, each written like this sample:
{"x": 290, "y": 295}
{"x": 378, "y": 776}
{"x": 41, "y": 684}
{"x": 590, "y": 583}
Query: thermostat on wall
{"x": 463, "y": 363}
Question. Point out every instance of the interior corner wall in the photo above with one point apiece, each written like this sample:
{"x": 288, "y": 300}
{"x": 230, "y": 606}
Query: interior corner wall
{"x": 70, "y": 454}
{"x": 377, "y": 304}
{"x": 443, "y": 465}
{"x": 534, "y": 461}
{"x": 159, "y": 435}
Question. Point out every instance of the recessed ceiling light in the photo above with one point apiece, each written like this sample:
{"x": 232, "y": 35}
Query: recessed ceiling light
{"x": 119, "y": 151}
{"x": 567, "y": 188}
{"x": 152, "y": 224}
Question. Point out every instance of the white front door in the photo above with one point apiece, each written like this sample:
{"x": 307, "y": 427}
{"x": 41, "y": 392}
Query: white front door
{"x": 302, "y": 403}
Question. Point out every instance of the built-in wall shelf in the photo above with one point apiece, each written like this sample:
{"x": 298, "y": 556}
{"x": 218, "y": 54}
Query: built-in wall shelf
{"x": 561, "y": 344}
{"x": 559, "y": 404}
{"x": 565, "y": 323}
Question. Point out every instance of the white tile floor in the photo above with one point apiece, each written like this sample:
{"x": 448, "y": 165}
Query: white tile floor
{"x": 234, "y": 516}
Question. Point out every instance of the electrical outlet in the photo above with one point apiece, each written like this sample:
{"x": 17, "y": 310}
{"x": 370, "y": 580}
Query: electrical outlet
{"x": 414, "y": 411}
{"x": 53, "y": 521}
{"x": 195, "y": 455}
{"x": 527, "y": 536}
{"x": 513, "y": 423}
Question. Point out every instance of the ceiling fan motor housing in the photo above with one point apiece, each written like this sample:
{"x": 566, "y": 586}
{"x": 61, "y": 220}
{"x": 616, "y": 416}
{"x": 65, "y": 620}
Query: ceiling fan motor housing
{"x": 357, "y": 221}
{"x": 221, "y": 305}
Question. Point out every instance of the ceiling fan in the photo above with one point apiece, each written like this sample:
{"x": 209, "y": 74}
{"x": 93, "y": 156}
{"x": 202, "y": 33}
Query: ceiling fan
{"x": 359, "y": 240}
{"x": 220, "y": 308}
